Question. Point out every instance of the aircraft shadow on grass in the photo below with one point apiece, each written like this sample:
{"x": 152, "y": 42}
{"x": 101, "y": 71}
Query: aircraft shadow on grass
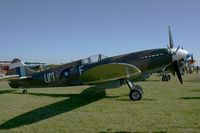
{"x": 117, "y": 132}
{"x": 190, "y": 98}
{"x": 6, "y": 91}
{"x": 72, "y": 102}
{"x": 195, "y": 90}
{"x": 145, "y": 99}
{"x": 130, "y": 132}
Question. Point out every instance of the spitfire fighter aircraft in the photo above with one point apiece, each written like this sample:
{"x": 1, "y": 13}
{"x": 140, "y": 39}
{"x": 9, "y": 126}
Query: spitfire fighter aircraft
{"x": 100, "y": 69}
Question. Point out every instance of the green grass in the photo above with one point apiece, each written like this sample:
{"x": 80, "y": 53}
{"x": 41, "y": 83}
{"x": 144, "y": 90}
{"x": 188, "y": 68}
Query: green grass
{"x": 165, "y": 107}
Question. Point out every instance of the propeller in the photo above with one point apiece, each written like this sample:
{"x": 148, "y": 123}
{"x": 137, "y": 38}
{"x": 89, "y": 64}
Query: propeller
{"x": 175, "y": 64}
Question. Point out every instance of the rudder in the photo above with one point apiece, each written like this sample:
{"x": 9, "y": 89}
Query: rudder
{"x": 17, "y": 67}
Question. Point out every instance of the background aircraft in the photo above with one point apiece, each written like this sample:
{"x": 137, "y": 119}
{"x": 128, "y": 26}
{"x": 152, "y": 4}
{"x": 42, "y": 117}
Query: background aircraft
{"x": 4, "y": 67}
{"x": 36, "y": 66}
{"x": 99, "y": 69}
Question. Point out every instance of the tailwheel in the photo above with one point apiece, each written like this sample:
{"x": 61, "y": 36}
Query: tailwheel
{"x": 25, "y": 91}
{"x": 135, "y": 95}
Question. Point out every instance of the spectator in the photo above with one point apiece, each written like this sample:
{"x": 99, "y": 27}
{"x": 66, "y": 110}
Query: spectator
{"x": 197, "y": 69}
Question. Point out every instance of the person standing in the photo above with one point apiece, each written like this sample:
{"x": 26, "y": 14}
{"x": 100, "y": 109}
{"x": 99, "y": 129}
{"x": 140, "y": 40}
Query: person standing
{"x": 197, "y": 69}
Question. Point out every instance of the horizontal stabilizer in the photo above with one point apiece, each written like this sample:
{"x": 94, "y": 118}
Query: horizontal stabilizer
{"x": 14, "y": 77}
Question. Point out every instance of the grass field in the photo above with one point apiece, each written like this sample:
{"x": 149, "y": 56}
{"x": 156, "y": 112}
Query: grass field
{"x": 165, "y": 107}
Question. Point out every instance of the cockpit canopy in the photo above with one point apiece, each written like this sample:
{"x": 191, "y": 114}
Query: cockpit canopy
{"x": 93, "y": 59}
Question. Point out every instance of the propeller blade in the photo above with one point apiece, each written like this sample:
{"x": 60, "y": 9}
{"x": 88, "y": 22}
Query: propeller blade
{"x": 173, "y": 72}
{"x": 177, "y": 49}
{"x": 192, "y": 58}
{"x": 177, "y": 70}
{"x": 171, "y": 44}
{"x": 193, "y": 61}
{"x": 169, "y": 49}
{"x": 171, "y": 69}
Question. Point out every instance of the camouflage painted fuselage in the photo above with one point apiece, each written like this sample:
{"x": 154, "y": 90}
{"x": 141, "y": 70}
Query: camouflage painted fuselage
{"x": 149, "y": 61}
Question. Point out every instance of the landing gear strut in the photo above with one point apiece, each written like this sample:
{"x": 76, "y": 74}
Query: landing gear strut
{"x": 166, "y": 77}
{"x": 136, "y": 91}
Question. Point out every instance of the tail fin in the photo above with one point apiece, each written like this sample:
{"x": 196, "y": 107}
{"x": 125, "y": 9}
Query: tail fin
{"x": 17, "y": 67}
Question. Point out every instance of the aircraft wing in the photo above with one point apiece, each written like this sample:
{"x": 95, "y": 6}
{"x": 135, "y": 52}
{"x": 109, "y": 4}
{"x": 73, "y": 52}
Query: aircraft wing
{"x": 14, "y": 77}
{"x": 109, "y": 72}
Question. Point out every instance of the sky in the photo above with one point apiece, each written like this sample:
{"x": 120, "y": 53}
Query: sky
{"x": 59, "y": 31}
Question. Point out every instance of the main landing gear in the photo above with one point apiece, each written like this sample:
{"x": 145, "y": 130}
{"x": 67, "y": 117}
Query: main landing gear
{"x": 166, "y": 77}
{"x": 136, "y": 91}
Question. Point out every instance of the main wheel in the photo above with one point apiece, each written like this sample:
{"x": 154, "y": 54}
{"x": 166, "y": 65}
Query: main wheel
{"x": 135, "y": 95}
{"x": 169, "y": 77}
{"x": 165, "y": 78}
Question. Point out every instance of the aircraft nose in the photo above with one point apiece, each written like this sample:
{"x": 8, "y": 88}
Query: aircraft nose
{"x": 181, "y": 54}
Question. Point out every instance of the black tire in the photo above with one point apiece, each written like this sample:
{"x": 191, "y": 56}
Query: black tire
{"x": 135, "y": 95}
{"x": 169, "y": 77}
{"x": 24, "y": 91}
{"x": 165, "y": 79}
{"x": 138, "y": 87}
